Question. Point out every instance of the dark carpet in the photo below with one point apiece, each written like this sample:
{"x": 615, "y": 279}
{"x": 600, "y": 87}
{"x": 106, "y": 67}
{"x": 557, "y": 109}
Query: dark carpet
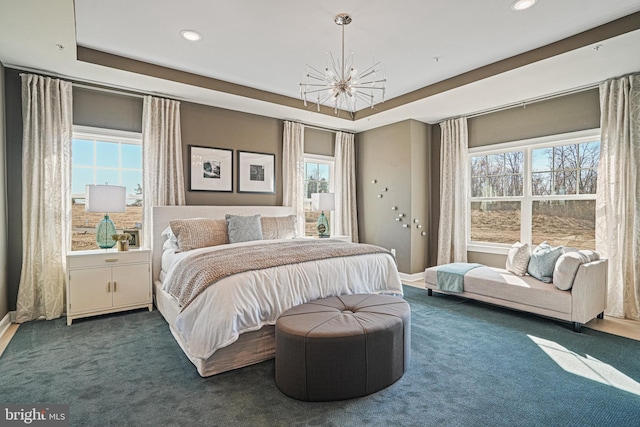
{"x": 472, "y": 364}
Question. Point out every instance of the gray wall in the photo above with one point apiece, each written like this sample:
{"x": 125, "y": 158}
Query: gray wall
{"x": 4, "y": 290}
{"x": 320, "y": 142}
{"x": 215, "y": 127}
{"x": 107, "y": 110}
{"x": 397, "y": 158}
{"x": 13, "y": 129}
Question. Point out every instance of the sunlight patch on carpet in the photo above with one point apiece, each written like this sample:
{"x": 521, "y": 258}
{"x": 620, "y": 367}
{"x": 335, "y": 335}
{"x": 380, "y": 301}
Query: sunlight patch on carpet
{"x": 587, "y": 366}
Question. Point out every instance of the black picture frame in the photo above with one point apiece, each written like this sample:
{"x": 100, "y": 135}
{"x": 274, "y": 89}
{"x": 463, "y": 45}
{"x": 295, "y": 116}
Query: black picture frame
{"x": 210, "y": 169}
{"x": 256, "y": 172}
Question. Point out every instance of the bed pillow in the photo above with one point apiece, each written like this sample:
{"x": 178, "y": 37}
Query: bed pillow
{"x": 278, "y": 227}
{"x": 197, "y": 233}
{"x": 171, "y": 241}
{"x": 543, "y": 260}
{"x": 518, "y": 258}
{"x": 567, "y": 266}
{"x": 243, "y": 228}
{"x": 171, "y": 244}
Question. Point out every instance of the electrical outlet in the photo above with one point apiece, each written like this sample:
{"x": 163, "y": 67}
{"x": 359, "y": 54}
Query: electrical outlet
{"x": 393, "y": 252}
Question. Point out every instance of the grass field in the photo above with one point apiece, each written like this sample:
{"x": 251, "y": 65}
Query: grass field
{"x": 504, "y": 227}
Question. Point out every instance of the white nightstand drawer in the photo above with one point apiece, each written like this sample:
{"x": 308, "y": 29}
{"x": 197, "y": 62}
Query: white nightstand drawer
{"x": 97, "y": 259}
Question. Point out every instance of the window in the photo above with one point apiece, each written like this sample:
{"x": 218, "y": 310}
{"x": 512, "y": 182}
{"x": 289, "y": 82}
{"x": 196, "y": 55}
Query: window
{"x": 104, "y": 156}
{"x": 535, "y": 190}
{"x": 318, "y": 178}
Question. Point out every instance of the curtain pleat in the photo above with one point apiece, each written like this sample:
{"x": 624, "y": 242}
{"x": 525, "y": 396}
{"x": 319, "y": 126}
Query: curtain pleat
{"x": 163, "y": 176}
{"x": 346, "y": 213}
{"x": 293, "y": 171}
{"x": 46, "y": 202}
{"x": 618, "y": 194}
{"x": 452, "y": 232}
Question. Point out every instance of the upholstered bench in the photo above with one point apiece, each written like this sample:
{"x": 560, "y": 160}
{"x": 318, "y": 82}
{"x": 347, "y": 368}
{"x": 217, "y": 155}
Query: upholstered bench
{"x": 342, "y": 347}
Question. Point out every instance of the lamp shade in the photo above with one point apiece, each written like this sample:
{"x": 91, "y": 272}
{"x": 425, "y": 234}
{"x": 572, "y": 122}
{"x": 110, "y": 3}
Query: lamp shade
{"x": 105, "y": 198}
{"x": 323, "y": 201}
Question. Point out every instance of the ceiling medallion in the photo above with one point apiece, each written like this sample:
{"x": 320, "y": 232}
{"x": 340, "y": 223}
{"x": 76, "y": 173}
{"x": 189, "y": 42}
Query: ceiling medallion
{"x": 341, "y": 85}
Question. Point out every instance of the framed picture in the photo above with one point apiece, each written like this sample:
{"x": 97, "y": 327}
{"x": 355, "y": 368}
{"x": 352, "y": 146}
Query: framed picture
{"x": 256, "y": 172}
{"x": 134, "y": 240}
{"x": 210, "y": 169}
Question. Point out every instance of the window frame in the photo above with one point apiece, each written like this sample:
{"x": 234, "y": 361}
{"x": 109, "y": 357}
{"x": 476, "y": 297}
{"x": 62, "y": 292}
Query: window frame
{"x": 320, "y": 159}
{"x": 527, "y": 199}
{"x": 106, "y": 135}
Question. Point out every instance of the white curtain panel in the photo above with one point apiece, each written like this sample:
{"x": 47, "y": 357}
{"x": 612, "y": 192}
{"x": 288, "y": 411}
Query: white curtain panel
{"x": 46, "y": 196}
{"x": 345, "y": 219}
{"x": 618, "y": 194}
{"x": 452, "y": 232}
{"x": 163, "y": 176}
{"x": 293, "y": 171}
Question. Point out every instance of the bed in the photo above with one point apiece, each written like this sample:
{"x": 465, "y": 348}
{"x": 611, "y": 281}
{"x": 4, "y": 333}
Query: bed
{"x": 229, "y": 324}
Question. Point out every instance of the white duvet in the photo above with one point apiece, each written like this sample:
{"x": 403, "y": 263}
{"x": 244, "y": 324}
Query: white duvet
{"x": 248, "y": 301}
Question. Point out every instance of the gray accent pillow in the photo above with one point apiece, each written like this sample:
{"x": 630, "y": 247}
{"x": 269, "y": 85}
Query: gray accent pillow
{"x": 543, "y": 260}
{"x": 243, "y": 228}
{"x": 518, "y": 258}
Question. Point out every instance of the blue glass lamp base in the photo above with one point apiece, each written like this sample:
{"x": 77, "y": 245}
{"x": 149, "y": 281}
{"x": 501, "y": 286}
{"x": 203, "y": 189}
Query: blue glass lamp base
{"x": 105, "y": 230}
{"x": 323, "y": 226}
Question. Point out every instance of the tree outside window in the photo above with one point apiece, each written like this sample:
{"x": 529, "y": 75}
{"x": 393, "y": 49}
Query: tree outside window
{"x": 536, "y": 193}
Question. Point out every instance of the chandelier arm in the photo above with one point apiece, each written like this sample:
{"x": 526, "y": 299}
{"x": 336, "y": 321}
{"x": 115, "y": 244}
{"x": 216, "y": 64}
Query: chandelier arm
{"x": 316, "y": 85}
{"x": 318, "y": 91}
{"x": 335, "y": 66}
{"x": 370, "y": 69}
{"x": 319, "y": 73}
{"x": 363, "y": 86}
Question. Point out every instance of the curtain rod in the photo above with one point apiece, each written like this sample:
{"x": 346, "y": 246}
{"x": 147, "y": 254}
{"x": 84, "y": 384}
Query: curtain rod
{"x": 88, "y": 84}
{"x": 531, "y": 101}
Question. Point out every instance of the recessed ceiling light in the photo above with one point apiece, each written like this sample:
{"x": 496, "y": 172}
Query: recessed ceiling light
{"x": 522, "y": 4}
{"x": 190, "y": 35}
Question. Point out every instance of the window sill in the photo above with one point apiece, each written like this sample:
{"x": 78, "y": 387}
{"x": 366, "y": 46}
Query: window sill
{"x": 497, "y": 249}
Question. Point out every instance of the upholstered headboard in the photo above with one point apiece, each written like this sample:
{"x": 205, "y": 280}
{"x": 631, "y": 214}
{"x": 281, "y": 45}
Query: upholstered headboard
{"x": 163, "y": 214}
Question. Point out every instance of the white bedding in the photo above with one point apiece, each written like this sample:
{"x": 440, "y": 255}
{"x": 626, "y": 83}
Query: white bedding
{"x": 247, "y": 301}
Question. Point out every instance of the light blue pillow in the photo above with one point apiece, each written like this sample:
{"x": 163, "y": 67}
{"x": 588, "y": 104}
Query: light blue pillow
{"x": 243, "y": 228}
{"x": 543, "y": 260}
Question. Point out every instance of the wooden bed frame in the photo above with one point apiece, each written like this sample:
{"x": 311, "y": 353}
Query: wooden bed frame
{"x": 251, "y": 347}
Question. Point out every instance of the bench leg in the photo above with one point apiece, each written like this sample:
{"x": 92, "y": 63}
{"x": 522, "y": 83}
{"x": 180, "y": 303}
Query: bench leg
{"x": 577, "y": 326}
{"x": 429, "y": 292}
{"x": 601, "y": 315}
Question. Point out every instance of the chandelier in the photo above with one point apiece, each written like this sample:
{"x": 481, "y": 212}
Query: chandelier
{"x": 341, "y": 85}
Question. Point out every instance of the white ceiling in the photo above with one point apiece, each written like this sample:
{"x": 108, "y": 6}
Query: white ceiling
{"x": 266, "y": 44}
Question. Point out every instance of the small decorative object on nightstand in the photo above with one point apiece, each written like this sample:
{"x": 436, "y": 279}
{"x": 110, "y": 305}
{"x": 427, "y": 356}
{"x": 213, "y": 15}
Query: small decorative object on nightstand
{"x": 107, "y": 281}
{"x": 323, "y": 202}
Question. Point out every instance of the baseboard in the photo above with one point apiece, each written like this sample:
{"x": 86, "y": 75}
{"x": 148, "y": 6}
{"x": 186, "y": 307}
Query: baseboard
{"x": 6, "y": 322}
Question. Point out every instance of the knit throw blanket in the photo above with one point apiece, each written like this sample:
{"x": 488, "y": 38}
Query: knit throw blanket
{"x": 196, "y": 273}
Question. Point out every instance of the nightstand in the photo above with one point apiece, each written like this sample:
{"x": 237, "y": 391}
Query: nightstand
{"x": 106, "y": 281}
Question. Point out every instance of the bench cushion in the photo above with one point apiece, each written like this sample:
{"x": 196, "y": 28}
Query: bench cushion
{"x": 501, "y": 284}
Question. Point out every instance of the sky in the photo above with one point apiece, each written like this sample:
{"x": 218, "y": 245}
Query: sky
{"x": 96, "y": 162}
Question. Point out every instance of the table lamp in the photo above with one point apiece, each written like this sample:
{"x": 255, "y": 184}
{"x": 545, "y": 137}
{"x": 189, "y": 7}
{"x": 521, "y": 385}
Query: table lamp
{"x": 323, "y": 202}
{"x": 106, "y": 199}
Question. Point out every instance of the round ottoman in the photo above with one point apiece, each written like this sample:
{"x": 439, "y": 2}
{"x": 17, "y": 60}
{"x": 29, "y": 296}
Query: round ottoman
{"x": 342, "y": 347}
